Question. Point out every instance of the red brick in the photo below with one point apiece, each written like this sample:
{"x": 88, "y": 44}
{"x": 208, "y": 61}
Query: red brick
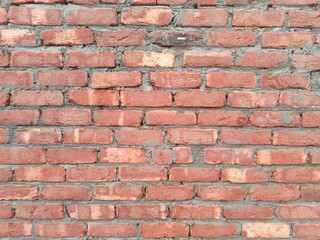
{"x": 37, "y": 98}
{"x": 91, "y": 211}
{"x": 310, "y": 193}
{"x": 15, "y": 229}
{"x": 84, "y": 2}
{"x": 182, "y": 174}
{"x": 274, "y": 193}
{"x": 3, "y": 16}
{"x": 118, "y": 118}
{"x": 298, "y": 212}
{"x": 311, "y": 119}
{"x": 214, "y": 230}
{"x": 146, "y": 174}
{"x": 4, "y": 136}
{"x": 296, "y": 138}
{"x": 91, "y": 174}
{"x": 17, "y": 37}
{"x": 231, "y": 79}
{"x": 193, "y": 136}
{"x": 274, "y": 119}
{"x": 265, "y": 230}
{"x": 103, "y": 59}
{"x": 241, "y": 99}
{"x": 175, "y": 79}
{"x": 306, "y": 231}
{"x": 222, "y": 118}
{"x": 94, "y": 97}
{"x": 281, "y": 157}
{"x": 18, "y": 192}
{"x": 65, "y": 193}
{"x": 164, "y": 230}
{"x": 237, "y": 2}
{"x": 118, "y": 192}
{"x": 100, "y": 16}
{"x": 302, "y": 61}
{"x": 66, "y": 116}
{"x": 67, "y": 37}
{"x": 4, "y": 59}
{"x": 314, "y": 157}
{"x": 139, "y": 212}
{"x": 208, "y": 59}
{"x": 40, "y": 211}
{"x": 228, "y": 156}
{"x": 234, "y": 175}
{"x": 88, "y": 136}
{"x": 164, "y": 193}
{"x": 300, "y": 99}
{"x": 182, "y": 155}
{"x": 138, "y": 58}
{"x": 259, "y": 18}
{"x": 304, "y": 19}
{"x": 261, "y": 59}
{"x": 115, "y": 79}
{"x": 16, "y": 79}
{"x": 285, "y": 81}
{"x": 71, "y": 155}
{"x": 40, "y": 174}
{"x": 6, "y": 175}
{"x": 36, "y": 59}
{"x": 121, "y": 230}
{"x": 22, "y": 155}
{"x": 201, "y": 212}
{"x": 6, "y": 211}
{"x": 231, "y": 38}
{"x": 207, "y": 99}
{"x": 296, "y": 175}
{"x": 60, "y": 229}
{"x": 163, "y": 117}
{"x": 287, "y": 39}
{"x": 123, "y": 155}
{"x": 142, "y": 16}
{"x": 293, "y": 2}
{"x": 246, "y": 137}
{"x": 139, "y": 137}
{"x": 218, "y": 193}
{"x": 204, "y": 18}
{"x": 145, "y": 98}
{"x": 126, "y": 37}
{"x": 4, "y": 99}
{"x": 248, "y": 212}
{"x": 35, "y": 16}
{"x": 162, "y": 156}
{"x": 68, "y": 78}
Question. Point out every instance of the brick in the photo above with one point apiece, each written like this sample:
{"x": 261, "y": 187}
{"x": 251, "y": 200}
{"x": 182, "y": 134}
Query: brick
{"x": 66, "y": 116}
{"x": 105, "y": 117}
{"x": 163, "y": 118}
{"x": 193, "y": 136}
{"x": 296, "y": 175}
{"x": 40, "y": 174}
{"x": 115, "y": 79}
{"x": 307, "y": 231}
{"x": 248, "y": 212}
{"x": 146, "y": 174}
{"x": 234, "y": 175}
{"x": 274, "y": 119}
{"x": 246, "y": 137}
{"x": 222, "y": 118}
{"x": 304, "y": 19}
{"x": 182, "y": 174}
{"x": 208, "y": 59}
{"x": 231, "y": 79}
{"x": 6, "y": 175}
{"x": 302, "y": 61}
{"x": 15, "y": 229}
{"x": 4, "y": 59}
{"x": 201, "y": 212}
{"x": 293, "y": 2}
{"x": 18, "y": 192}
{"x": 118, "y": 193}
{"x": 16, "y": 79}
{"x": 242, "y": 99}
{"x": 207, "y": 99}
{"x": 299, "y": 100}
{"x": 261, "y": 59}
{"x": 139, "y": 137}
{"x": 162, "y": 156}
{"x": 141, "y": 16}
{"x": 215, "y": 193}
{"x": 6, "y": 211}
{"x": 258, "y": 18}
{"x": 35, "y": 16}
{"x": 40, "y": 211}
{"x": 65, "y": 193}
{"x": 138, "y": 58}
{"x": 83, "y": 2}
{"x": 281, "y": 157}
{"x": 103, "y": 59}
{"x": 176, "y": 38}
{"x": 231, "y": 38}
{"x": 91, "y": 174}
{"x": 145, "y": 98}
{"x": 60, "y": 229}
{"x": 4, "y": 99}
{"x": 37, "y": 98}
{"x": 228, "y": 156}
{"x": 182, "y": 155}
{"x": 67, "y": 78}
{"x": 121, "y": 230}
{"x": 3, "y": 16}
{"x": 91, "y": 211}
{"x": 94, "y": 97}
{"x": 164, "y": 193}
{"x": 311, "y": 119}
{"x": 298, "y": 212}
{"x": 4, "y": 136}
{"x": 265, "y": 230}
{"x": 274, "y": 193}
{"x": 67, "y": 37}
{"x": 88, "y": 136}
{"x": 237, "y": 2}
{"x": 204, "y": 18}
{"x": 164, "y": 230}
{"x": 36, "y": 59}
{"x": 296, "y": 138}
{"x": 314, "y": 157}
{"x": 100, "y": 16}
{"x": 17, "y": 37}
{"x": 126, "y": 37}
{"x": 175, "y": 79}
{"x": 123, "y": 155}
{"x": 285, "y": 81}
{"x": 22, "y": 155}
{"x": 310, "y": 193}
{"x": 214, "y": 230}
{"x": 71, "y": 155}
{"x": 287, "y": 39}
{"x": 138, "y": 212}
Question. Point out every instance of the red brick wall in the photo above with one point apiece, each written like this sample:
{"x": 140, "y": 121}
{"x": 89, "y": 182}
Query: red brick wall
{"x": 160, "y": 119}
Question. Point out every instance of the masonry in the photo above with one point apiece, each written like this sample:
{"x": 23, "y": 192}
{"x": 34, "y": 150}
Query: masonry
{"x": 142, "y": 119}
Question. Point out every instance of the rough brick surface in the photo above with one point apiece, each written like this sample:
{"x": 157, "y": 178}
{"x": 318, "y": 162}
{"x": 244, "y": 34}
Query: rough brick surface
{"x": 159, "y": 119}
